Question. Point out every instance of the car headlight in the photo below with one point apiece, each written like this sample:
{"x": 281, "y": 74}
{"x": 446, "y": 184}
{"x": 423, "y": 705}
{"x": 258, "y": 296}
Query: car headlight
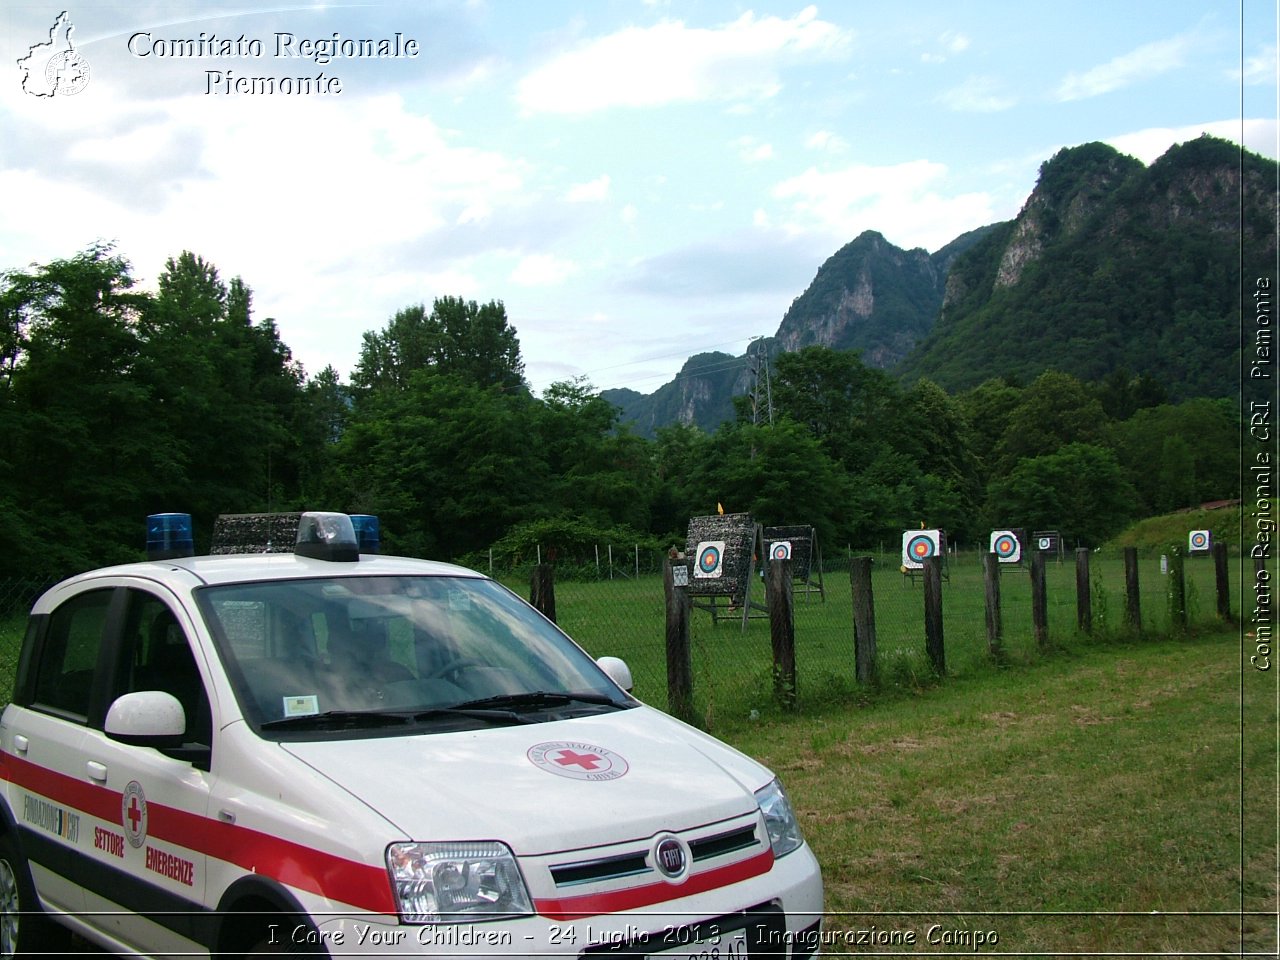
{"x": 779, "y": 818}
{"x": 456, "y": 882}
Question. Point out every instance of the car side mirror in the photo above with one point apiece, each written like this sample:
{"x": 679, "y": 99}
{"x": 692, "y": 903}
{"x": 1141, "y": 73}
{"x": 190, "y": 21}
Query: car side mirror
{"x": 146, "y": 718}
{"x": 617, "y": 670}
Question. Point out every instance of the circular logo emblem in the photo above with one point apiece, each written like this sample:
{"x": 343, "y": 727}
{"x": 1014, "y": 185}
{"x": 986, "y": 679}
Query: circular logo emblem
{"x": 577, "y": 761}
{"x": 671, "y": 857}
{"x": 133, "y": 814}
{"x": 67, "y": 72}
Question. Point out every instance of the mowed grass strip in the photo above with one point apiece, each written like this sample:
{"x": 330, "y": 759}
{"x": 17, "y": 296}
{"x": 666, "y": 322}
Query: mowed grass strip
{"x": 1115, "y": 800}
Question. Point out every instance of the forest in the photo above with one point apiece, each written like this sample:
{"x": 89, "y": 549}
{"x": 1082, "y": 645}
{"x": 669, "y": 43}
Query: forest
{"x": 117, "y": 402}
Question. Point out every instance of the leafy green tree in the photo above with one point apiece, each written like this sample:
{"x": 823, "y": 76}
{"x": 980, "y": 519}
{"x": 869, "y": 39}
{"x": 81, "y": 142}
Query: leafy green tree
{"x": 598, "y": 472}
{"x": 447, "y": 464}
{"x": 457, "y": 338}
{"x": 225, "y": 392}
{"x": 80, "y": 436}
{"x": 1079, "y": 489}
{"x": 849, "y": 407}
{"x": 1179, "y": 455}
{"x": 1055, "y": 410}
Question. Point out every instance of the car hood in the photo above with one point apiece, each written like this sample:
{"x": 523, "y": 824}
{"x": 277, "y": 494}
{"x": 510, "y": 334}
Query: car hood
{"x": 545, "y": 787}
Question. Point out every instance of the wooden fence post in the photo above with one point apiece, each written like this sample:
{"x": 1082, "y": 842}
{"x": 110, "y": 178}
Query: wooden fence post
{"x": 933, "y": 614}
{"x": 1177, "y": 589}
{"x": 675, "y": 580}
{"x": 782, "y": 630}
{"x": 542, "y": 590}
{"x": 991, "y": 585}
{"x": 864, "y": 620}
{"x": 1222, "y": 581}
{"x": 1132, "y": 599}
{"x": 1084, "y": 599}
{"x": 1039, "y": 601}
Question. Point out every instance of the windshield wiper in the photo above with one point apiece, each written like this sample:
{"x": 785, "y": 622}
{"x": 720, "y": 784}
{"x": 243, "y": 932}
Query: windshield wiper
{"x": 535, "y": 699}
{"x": 340, "y": 718}
{"x": 355, "y": 719}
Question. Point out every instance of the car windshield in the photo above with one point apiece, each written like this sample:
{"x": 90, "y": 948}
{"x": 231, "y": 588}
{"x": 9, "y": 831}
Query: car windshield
{"x": 393, "y": 654}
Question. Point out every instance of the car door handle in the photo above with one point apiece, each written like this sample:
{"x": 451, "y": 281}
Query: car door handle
{"x": 97, "y": 771}
{"x": 21, "y": 743}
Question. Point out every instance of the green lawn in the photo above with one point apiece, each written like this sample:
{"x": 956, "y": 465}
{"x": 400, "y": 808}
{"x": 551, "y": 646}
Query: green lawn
{"x": 1117, "y": 800}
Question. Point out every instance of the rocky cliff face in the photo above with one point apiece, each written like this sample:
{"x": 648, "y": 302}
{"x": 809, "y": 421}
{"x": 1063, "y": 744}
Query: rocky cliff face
{"x": 870, "y": 296}
{"x": 1112, "y": 266}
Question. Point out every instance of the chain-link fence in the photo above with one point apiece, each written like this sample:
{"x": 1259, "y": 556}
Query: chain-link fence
{"x": 732, "y": 651}
{"x": 619, "y": 609}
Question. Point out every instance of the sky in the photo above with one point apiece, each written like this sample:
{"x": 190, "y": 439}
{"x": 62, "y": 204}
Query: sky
{"x": 637, "y": 181}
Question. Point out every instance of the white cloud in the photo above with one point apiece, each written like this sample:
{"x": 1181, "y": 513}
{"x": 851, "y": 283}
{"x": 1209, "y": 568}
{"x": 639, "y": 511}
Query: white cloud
{"x": 751, "y": 150}
{"x": 672, "y": 62}
{"x": 977, "y": 95}
{"x": 1260, "y": 67}
{"x": 589, "y": 192}
{"x": 951, "y": 43}
{"x": 1145, "y": 62}
{"x": 904, "y": 201}
{"x": 542, "y": 270}
{"x": 1150, "y": 144}
{"x": 827, "y": 141}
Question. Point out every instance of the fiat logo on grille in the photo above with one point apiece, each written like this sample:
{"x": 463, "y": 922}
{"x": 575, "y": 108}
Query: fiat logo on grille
{"x": 671, "y": 857}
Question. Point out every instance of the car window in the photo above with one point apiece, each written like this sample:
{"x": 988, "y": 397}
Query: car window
{"x": 69, "y": 656}
{"x": 306, "y": 647}
{"x": 158, "y": 656}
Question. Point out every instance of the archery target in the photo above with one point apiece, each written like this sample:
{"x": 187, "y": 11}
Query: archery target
{"x": 1199, "y": 540}
{"x": 918, "y": 546}
{"x": 1045, "y": 543}
{"x": 709, "y": 562}
{"x": 1006, "y": 546}
{"x": 780, "y": 550}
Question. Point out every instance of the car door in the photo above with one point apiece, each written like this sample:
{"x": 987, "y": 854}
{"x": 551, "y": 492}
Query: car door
{"x": 50, "y": 796}
{"x": 150, "y": 857}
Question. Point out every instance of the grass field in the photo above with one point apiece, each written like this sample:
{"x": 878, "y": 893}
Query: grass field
{"x": 733, "y": 666}
{"x": 1120, "y": 800}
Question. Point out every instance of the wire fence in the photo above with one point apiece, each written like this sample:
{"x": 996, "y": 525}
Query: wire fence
{"x": 733, "y": 667}
{"x": 619, "y": 610}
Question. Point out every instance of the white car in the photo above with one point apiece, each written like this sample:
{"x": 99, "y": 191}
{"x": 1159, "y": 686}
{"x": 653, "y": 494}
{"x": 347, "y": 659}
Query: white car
{"x": 320, "y": 750}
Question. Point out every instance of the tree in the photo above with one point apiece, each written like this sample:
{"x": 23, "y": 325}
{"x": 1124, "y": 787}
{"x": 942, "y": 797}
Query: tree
{"x": 1056, "y": 410}
{"x": 849, "y": 407}
{"x": 80, "y": 438}
{"x": 1078, "y": 489}
{"x": 459, "y": 338}
{"x": 448, "y": 465}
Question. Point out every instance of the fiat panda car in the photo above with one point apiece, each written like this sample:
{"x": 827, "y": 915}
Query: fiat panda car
{"x": 294, "y": 746}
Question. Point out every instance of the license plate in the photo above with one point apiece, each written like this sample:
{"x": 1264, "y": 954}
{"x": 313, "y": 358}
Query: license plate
{"x": 723, "y": 946}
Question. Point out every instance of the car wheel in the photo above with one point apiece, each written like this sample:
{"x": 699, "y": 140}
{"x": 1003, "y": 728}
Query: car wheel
{"x": 24, "y": 929}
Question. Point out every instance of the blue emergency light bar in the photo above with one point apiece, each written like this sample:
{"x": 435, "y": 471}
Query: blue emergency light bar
{"x": 169, "y": 536}
{"x": 368, "y": 532}
{"x": 321, "y": 536}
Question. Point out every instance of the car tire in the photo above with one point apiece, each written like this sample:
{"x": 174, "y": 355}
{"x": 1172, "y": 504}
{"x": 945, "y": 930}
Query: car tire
{"x": 24, "y": 928}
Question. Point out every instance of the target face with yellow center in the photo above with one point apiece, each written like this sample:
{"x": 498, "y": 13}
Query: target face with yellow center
{"x": 709, "y": 560}
{"x": 1006, "y": 546}
{"x": 918, "y": 546}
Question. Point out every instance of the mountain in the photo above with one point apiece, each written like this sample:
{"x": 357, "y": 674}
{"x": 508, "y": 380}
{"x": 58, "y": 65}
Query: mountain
{"x": 869, "y": 296}
{"x": 1111, "y": 265}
